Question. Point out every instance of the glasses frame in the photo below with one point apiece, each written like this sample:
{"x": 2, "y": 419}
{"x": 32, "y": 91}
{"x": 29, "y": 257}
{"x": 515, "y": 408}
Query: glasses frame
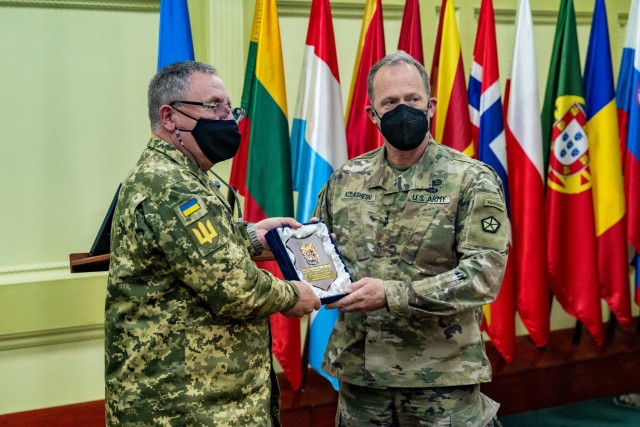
{"x": 237, "y": 112}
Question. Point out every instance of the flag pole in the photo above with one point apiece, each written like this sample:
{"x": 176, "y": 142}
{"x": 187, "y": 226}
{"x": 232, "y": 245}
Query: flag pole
{"x": 577, "y": 333}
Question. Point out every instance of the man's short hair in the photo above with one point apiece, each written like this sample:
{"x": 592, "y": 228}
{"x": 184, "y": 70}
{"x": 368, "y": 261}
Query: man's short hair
{"x": 172, "y": 84}
{"x": 400, "y": 57}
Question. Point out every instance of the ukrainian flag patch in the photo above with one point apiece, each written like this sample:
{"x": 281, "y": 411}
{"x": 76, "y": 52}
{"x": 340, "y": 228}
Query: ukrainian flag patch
{"x": 190, "y": 207}
{"x": 191, "y": 210}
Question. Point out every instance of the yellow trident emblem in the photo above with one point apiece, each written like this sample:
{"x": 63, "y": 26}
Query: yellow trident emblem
{"x": 206, "y": 234}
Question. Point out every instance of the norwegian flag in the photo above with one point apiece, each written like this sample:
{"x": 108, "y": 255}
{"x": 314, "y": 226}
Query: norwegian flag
{"x": 485, "y": 108}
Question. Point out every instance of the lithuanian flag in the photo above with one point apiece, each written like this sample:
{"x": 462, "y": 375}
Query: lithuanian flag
{"x": 261, "y": 170}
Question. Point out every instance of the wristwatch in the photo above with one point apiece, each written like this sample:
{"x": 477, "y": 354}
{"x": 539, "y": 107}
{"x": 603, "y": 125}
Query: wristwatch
{"x": 253, "y": 236}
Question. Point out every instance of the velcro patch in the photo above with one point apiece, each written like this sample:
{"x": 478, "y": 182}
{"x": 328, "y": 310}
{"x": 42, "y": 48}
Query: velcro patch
{"x": 204, "y": 235}
{"x": 490, "y": 224}
{"x": 358, "y": 195}
{"x": 429, "y": 198}
{"x": 191, "y": 210}
{"x": 494, "y": 203}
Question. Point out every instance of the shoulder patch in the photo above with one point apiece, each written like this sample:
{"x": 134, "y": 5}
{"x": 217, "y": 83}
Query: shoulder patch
{"x": 204, "y": 235}
{"x": 494, "y": 203}
{"x": 191, "y": 210}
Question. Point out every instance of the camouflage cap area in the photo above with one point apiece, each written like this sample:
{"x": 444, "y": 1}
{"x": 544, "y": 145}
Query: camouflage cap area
{"x": 437, "y": 235}
{"x": 186, "y": 322}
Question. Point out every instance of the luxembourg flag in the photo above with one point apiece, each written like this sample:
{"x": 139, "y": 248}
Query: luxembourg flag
{"x": 318, "y": 144}
{"x": 487, "y": 128}
{"x": 628, "y": 102}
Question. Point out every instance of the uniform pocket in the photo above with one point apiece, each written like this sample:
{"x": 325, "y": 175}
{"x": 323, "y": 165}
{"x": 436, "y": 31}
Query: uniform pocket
{"x": 417, "y": 233}
{"x": 476, "y": 415}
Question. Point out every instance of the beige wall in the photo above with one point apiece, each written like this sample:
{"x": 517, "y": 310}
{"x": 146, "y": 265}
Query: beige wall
{"x": 73, "y": 119}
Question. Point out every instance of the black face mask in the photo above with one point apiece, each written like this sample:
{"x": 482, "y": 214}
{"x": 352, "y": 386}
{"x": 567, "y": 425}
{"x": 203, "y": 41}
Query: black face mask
{"x": 219, "y": 140}
{"x": 404, "y": 127}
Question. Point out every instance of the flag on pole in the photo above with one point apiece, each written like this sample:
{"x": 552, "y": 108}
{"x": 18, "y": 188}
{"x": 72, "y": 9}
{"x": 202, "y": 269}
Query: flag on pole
{"x": 450, "y": 124}
{"x": 262, "y": 170}
{"x": 485, "y": 108}
{"x": 362, "y": 134}
{"x": 628, "y": 100}
{"x": 526, "y": 182}
{"x": 174, "y": 41}
{"x": 318, "y": 145}
{"x": 411, "y": 31}
{"x": 606, "y": 170}
{"x": 571, "y": 241}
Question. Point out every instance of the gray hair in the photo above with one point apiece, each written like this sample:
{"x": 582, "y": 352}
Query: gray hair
{"x": 400, "y": 57}
{"x": 172, "y": 84}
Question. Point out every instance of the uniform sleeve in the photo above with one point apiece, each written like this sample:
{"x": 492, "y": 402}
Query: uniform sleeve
{"x": 482, "y": 236}
{"x": 322, "y": 210}
{"x": 205, "y": 251}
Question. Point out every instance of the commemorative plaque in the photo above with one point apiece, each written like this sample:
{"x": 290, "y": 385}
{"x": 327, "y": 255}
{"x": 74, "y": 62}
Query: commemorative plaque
{"x": 310, "y": 255}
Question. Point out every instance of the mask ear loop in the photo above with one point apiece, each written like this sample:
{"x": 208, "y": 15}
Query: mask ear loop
{"x": 195, "y": 159}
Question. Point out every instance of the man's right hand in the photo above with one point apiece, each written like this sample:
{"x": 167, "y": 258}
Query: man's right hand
{"x": 307, "y": 302}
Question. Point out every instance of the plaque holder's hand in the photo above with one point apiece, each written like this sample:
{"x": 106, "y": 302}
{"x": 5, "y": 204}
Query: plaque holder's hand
{"x": 367, "y": 294}
{"x": 307, "y": 302}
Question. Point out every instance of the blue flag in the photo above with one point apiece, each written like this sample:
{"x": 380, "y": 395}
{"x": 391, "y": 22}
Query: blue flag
{"x": 174, "y": 42}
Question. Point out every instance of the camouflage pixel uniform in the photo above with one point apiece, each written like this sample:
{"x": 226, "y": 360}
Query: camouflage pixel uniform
{"x": 437, "y": 235}
{"x": 186, "y": 328}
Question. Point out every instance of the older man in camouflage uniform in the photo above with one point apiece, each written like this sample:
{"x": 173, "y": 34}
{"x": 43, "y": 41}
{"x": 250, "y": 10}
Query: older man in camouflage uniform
{"x": 423, "y": 230}
{"x": 187, "y": 338}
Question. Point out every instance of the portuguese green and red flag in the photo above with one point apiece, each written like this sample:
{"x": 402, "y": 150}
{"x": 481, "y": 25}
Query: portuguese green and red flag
{"x": 261, "y": 170}
{"x": 571, "y": 240}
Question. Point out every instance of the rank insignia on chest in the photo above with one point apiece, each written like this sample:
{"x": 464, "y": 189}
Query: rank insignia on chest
{"x": 490, "y": 224}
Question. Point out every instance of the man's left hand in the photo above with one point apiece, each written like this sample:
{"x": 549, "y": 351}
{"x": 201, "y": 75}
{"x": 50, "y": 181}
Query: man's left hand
{"x": 367, "y": 294}
{"x": 267, "y": 224}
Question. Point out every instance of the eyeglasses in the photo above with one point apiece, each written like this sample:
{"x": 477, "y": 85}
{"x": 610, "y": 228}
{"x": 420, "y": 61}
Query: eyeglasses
{"x": 220, "y": 109}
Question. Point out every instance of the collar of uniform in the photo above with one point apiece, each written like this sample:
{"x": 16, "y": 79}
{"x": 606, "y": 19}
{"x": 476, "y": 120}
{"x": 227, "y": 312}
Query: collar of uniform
{"x": 170, "y": 151}
{"x": 410, "y": 179}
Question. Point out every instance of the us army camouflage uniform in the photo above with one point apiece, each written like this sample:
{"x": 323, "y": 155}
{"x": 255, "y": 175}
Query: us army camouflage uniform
{"x": 187, "y": 339}
{"x": 437, "y": 235}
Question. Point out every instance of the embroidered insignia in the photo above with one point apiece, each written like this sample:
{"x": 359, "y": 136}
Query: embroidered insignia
{"x": 494, "y": 203}
{"x": 309, "y": 253}
{"x": 490, "y": 225}
{"x": 189, "y": 207}
{"x": 431, "y": 190}
{"x": 436, "y": 182}
{"x": 425, "y": 198}
{"x": 358, "y": 195}
{"x": 205, "y": 233}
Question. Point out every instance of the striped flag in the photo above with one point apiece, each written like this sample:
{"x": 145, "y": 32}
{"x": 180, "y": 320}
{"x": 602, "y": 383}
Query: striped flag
{"x": 318, "y": 145}
{"x": 606, "y": 169}
{"x": 411, "y": 31}
{"x": 571, "y": 241}
{"x": 262, "y": 169}
{"x": 628, "y": 101}
{"x": 450, "y": 125}
{"x": 485, "y": 108}
{"x": 174, "y": 41}
{"x": 362, "y": 134}
{"x": 526, "y": 182}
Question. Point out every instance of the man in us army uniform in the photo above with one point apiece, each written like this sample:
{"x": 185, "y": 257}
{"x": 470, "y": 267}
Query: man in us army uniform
{"x": 186, "y": 328}
{"x": 423, "y": 230}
